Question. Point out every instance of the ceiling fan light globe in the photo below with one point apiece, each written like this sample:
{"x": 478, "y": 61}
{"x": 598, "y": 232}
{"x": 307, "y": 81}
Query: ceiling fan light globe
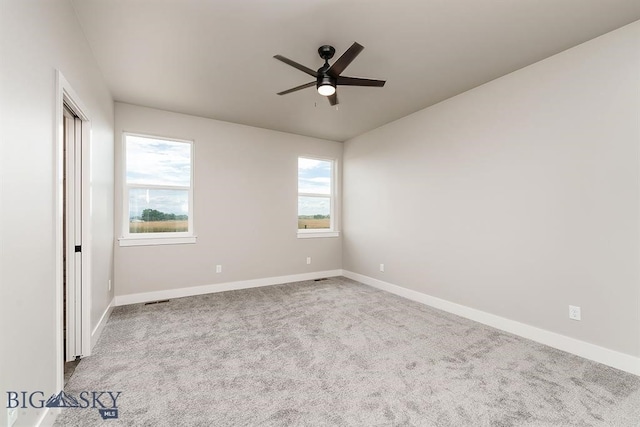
{"x": 326, "y": 90}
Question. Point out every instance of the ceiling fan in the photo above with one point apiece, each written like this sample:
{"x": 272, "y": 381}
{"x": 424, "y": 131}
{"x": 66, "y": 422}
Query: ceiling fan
{"x": 328, "y": 76}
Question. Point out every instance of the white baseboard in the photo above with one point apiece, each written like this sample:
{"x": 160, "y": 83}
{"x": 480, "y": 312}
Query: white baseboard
{"x": 220, "y": 287}
{"x": 97, "y": 331}
{"x": 615, "y": 359}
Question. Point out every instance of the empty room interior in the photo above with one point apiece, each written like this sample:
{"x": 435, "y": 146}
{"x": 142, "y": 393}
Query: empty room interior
{"x": 320, "y": 212}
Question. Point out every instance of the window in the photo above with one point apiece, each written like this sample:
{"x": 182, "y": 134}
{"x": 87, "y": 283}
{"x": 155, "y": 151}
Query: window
{"x": 158, "y": 191}
{"x": 316, "y": 201}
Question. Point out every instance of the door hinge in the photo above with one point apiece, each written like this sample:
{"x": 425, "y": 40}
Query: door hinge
{"x": 78, "y": 248}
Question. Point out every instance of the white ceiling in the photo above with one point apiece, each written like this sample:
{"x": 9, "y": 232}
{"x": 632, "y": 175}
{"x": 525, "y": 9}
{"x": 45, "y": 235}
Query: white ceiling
{"x": 215, "y": 58}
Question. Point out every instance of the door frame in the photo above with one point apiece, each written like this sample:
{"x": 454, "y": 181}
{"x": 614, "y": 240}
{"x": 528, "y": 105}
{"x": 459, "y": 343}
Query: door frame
{"x": 66, "y": 95}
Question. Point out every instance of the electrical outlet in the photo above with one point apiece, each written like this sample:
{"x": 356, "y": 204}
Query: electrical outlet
{"x": 574, "y": 312}
{"x": 382, "y": 267}
{"x": 218, "y": 268}
{"x": 308, "y": 260}
{"x": 12, "y": 416}
{"x": 109, "y": 284}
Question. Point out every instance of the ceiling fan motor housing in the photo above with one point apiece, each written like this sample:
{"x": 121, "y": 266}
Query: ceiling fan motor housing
{"x": 326, "y": 52}
{"x": 325, "y": 79}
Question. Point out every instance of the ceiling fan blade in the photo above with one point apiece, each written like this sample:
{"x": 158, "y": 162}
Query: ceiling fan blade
{"x": 357, "y": 81}
{"x": 293, "y": 89}
{"x": 333, "y": 99}
{"x": 296, "y": 65}
{"x": 344, "y": 61}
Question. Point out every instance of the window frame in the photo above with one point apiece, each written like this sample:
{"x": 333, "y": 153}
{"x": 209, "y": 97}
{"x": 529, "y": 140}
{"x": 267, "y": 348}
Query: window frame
{"x": 332, "y": 231}
{"x": 163, "y": 238}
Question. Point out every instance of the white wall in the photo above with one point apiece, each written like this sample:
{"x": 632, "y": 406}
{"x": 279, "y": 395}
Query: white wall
{"x": 245, "y": 209}
{"x": 38, "y": 37}
{"x": 517, "y": 198}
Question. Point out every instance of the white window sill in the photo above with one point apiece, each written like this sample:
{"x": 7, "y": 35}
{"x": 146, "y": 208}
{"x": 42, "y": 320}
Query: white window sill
{"x": 317, "y": 234}
{"x": 156, "y": 240}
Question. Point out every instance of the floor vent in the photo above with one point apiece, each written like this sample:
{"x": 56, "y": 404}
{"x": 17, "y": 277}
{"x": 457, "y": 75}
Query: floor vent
{"x": 156, "y": 302}
{"x": 319, "y": 280}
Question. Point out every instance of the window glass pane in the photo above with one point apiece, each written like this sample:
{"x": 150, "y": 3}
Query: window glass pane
{"x": 314, "y": 176}
{"x": 157, "y": 161}
{"x": 158, "y": 211}
{"x": 314, "y": 212}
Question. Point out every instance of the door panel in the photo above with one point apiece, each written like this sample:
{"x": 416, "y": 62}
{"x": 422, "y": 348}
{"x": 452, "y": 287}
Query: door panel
{"x": 73, "y": 234}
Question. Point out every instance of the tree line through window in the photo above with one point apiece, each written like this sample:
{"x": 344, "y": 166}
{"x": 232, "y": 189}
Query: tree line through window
{"x": 158, "y": 185}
